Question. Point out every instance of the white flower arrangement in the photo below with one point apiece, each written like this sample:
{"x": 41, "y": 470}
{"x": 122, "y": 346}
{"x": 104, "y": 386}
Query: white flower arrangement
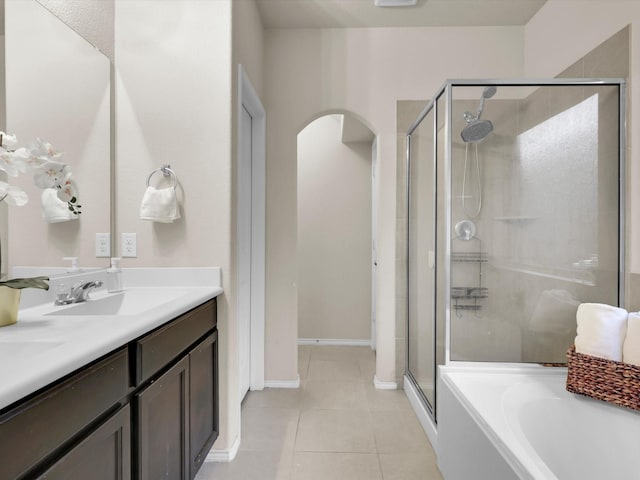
{"x": 48, "y": 171}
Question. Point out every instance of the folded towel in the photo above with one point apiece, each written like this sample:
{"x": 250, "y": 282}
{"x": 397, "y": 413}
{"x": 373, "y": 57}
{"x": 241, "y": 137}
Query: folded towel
{"x": 601, "y": 330}
{"x": 55, "y": 210}
{"x": 555, "y": 312}
{"x": 160, "y": 205}
{"x": 631, "y": 345}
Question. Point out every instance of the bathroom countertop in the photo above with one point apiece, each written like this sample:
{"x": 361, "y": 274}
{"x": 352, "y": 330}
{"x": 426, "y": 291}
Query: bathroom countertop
{"x": 43, "y": 347}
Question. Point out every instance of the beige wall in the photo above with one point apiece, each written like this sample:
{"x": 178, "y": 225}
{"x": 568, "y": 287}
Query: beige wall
{"x": 334, "y": 233}
{"x": 309, "y": 72}
{"x": 174, "y": 96}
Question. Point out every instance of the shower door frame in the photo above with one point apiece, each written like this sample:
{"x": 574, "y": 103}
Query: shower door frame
{"x": 447, "y": 90}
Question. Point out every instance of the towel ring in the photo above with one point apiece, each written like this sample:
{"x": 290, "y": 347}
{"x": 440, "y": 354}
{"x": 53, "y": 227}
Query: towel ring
{"x": 166, "y": 172}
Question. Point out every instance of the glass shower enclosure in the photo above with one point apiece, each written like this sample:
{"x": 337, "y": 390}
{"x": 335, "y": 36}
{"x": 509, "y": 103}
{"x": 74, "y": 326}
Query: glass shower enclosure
{"x": 515, "y": 195}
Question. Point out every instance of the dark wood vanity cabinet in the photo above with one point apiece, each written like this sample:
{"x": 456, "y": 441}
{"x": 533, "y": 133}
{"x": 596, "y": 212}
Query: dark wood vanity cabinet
{"x": 105, "y": 454}
{"x": 45, "y": 429}
{"x": 175, "y": 410}
{"x": 146, "y": 411}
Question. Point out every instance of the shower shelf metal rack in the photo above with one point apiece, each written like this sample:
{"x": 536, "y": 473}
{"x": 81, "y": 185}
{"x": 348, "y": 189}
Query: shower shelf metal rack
{"x": 467, "y": 297}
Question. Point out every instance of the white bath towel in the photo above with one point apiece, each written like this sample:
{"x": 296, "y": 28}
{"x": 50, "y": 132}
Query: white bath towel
{"x": 160, "y": 205}
{"x": 631, "y": 345}
{"x": 601, "y": 330}
{"x": 555, "y": 312}
{"x": 55, "y": 210}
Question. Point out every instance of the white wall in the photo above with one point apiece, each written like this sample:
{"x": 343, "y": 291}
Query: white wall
{"x": 309, "y": 72}
{"x": 562, "y": 32}
{"x": 334, "y": 233}
{"x": 174, "y": 106}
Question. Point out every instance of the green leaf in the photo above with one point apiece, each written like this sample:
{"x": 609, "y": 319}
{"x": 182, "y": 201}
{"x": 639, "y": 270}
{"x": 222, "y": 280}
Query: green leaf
{"x": 34, "y": 282}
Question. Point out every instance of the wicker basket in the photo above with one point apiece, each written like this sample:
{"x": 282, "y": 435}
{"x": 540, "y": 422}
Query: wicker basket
{"x": 613, "y": 382}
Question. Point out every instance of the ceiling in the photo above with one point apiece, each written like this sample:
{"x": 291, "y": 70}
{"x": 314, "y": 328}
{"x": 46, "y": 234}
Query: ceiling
{"x": 427, "y": 13}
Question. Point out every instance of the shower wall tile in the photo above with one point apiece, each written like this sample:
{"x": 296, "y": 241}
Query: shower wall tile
{"x": 611, "y": 58}
{"x": 401, "y": 318}
{"x": 401, "y": 177}
{"x": 633, "y": 292}
{"x": 401, "y": 239}
{"x": 563, "y": 98}
{"x": 534, "y": 109}
{"x": 401, "y": 280}
{"x": 574, "y": 71}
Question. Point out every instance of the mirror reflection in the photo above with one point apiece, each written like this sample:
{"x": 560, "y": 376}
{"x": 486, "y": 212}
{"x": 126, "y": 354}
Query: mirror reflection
{"x": 57, "y": 88}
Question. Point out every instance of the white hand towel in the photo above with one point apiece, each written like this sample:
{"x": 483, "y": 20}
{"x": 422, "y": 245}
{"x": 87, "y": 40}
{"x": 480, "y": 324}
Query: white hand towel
{"x": 555, "y": 312}
{"x": 631, "y": 345}
{"x": 601, "y": 330}
{"x": 55, "y": 210}
{"x": 160, "y": 205}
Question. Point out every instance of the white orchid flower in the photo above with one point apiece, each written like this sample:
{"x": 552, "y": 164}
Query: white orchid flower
{"x": 43, "y": 151}
{"x": 11, "y": 163}
{"x": 13, "y": 195}
{"x": 8, "y": 141}
{"x": 68, "y": 191}
{"x": 50, "y": 174}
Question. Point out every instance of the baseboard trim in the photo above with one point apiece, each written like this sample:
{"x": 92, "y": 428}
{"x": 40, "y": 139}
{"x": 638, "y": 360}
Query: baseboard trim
{"x": 224, "y": 456}
{"x": 421, "y": 412}
{"x": 380, "y": 385}
{"x": 283, "y": 383}
{"x": 347, "y": 342}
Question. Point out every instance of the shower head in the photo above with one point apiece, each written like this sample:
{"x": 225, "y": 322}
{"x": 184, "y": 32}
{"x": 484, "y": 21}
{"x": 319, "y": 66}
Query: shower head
{"x": 476, "y": 131}
{"x": 489, "y": 92}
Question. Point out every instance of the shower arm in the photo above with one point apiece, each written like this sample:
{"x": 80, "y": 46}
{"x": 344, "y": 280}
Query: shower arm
{"x": 480, "y": 108}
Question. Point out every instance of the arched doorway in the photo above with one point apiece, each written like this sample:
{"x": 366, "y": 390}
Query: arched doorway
{"x": 335, "y": 218}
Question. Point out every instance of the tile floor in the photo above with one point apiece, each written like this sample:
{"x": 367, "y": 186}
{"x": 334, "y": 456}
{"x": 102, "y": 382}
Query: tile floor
{"x": 337, "y": 426}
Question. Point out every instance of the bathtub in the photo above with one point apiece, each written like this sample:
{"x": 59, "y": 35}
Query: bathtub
{"x": 503, "y": 423}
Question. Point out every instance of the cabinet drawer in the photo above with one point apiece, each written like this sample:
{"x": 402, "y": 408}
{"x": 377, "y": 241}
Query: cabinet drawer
{"x": 158, "y": 349}
{"x": 38, "y": 427}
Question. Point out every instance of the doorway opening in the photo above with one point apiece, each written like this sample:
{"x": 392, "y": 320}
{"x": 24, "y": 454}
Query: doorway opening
{"x": 336, "y": 244}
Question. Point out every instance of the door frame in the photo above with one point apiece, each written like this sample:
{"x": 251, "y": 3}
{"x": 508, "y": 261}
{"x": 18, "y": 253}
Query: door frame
{"x": 374, "y": 242}
{"x": 249, "y": 99}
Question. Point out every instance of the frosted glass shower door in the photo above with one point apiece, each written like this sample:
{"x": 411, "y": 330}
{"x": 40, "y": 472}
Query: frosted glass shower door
{"x": 422, "y": 256}
{"x": 542, "y": 189}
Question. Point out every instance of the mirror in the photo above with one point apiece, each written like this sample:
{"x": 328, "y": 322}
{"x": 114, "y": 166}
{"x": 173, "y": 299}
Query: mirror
{"x": 57, "y": 88}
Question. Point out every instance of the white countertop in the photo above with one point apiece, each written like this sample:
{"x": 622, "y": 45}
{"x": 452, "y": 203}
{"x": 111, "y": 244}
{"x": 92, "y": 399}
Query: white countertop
{"x": 41, "y": 348}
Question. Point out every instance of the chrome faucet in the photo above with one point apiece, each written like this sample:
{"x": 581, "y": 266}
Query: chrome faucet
{"x": 78, "y": 293}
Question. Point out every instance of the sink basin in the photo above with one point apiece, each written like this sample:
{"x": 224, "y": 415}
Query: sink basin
{"x": 129, "y": 302}
{"x": 9, "y": 349}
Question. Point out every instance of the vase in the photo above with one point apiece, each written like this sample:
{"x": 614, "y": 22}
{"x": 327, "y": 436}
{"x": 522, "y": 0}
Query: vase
{"x": 9, "y": 303}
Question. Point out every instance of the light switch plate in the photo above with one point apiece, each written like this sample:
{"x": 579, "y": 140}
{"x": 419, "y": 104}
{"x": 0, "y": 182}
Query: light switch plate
{"x": 129, "y": 245}
{"x": 103, "y": 245}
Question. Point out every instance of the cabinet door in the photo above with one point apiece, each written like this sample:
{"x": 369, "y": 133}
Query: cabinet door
{"x": 162, "y": 413}
{"x": 203, "y": 385}
{"x": 104, "y": 455}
